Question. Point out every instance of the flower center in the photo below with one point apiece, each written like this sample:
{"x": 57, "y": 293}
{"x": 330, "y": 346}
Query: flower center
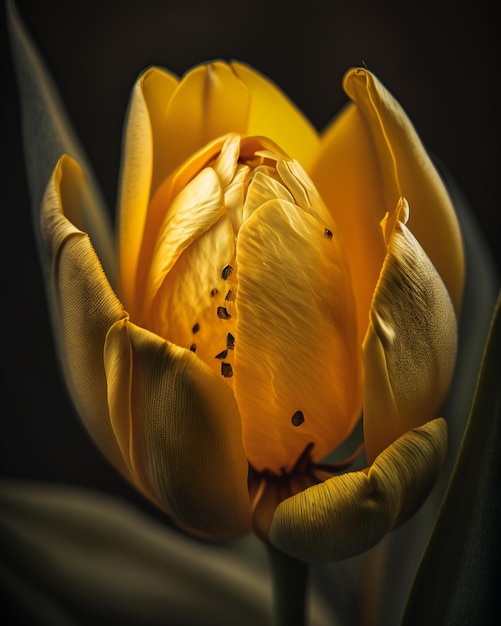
{"x": 195, "y": 305}
{"x": 248, "y": 271}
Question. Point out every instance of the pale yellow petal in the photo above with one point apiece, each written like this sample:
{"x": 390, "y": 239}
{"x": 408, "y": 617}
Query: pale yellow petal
{"x": 186, "y": 308}
{"x": 348, "y": 514}
{"x": 179, "y": 430}
{"x": 297, "y": 362}
{"x": 273, "y": 115}
{"x": 346, "y": 174}
{"x": 82, "y": 302}
{"x": 411, "y": 342}
{"x": 210, "y": 101}
{"x": 407, "y": 170}
{"x": 196, "y": 208}
{"x": 159, "y": 210}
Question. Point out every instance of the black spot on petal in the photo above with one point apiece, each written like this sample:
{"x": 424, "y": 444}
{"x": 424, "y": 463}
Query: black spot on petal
{"x": 230, "y": 296}
{"x": 226, "y": 370}
{"x": 222, "y": 355}
{"x": 222, "y": 313}
{"x": 328, "y": 233}
{"x": 195, "y": 328}
{"x": 213, "y": 292}
{"x": 226, "y": 272}
{"x": 193, "y": 347}
{"x": 298, "y": 418}
{"x": 230, "y": 341}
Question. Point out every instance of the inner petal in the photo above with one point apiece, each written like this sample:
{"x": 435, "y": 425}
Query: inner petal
{"x": 297, "y": 363}
{"x": 194, "y": 307}
{"x": 194, "y": 210}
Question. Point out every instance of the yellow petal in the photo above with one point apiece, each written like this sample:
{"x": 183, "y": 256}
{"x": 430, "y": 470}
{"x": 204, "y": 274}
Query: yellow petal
{"x": 273, "y": 115}
{"x": 179, "y": 430}
{"x": 348, "y": 514}
{"x": 411, "y": 342}
{"x": 141, "y": 169}
{"x": 297, "y": 364}
{"x": 158, "y": 86}
{"x": 406, "y": 170}
{"x": 159, "y": 209}
{"x": 347, "y": 177}
{"x": 185, "y": 310}
{"x": 196, "y": 208}
{"x": 210, "y": 101}
{"x": 82, "y": 302}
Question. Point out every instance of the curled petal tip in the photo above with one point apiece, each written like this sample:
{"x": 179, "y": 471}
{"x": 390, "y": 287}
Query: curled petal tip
{"x": 410, "y": 346}
{"x": 349, "y": 514}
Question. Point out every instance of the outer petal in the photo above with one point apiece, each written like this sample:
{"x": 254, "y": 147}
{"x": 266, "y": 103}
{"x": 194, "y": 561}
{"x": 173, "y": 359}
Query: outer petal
{"x": 83, "y": 304}
{"x": 407, "y": 170}
{"x": 297, "y": 365}
{"x": 142, "y": 167}
{"x": 210, "y": 101}
{"x": 179, "y": 430}
{"x": 273, "y": 115}
{"x": 350, "y": 513}
{"x": 346, "y": 174}
{"x": 410, "y": 346}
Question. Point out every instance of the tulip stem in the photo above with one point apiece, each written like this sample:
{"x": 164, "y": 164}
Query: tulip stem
{"x": 289, "y": 579}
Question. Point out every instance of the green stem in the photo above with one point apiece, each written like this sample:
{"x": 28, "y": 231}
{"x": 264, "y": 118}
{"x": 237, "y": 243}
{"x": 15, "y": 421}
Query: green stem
{"x": 290, "y": 579}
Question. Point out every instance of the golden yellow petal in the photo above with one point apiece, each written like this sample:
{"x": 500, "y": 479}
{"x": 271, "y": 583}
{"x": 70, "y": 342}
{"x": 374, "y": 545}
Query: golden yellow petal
{"x": 135, "y": 189}
{"x": 82, "y": 303}
{"x": 346, "y": 174}
{"x": 297, "y": 362}
{"x": 410, "y": 346}
{"x": 158, "y": 86}
{"x": 350, "y": 513}
{"x": 406, "y": 170}
{"x": 210, "y": 101}
{"x": 273, "y": 115}
{"x": 142, "y": 170}
{"x": 179, "y": 430}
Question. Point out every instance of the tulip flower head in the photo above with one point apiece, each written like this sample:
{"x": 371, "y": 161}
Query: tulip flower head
{"x": 274, "y": 285}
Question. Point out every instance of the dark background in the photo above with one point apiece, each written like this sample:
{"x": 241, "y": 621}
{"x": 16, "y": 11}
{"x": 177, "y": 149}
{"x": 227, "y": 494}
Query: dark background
{"x": 439, "y": 59}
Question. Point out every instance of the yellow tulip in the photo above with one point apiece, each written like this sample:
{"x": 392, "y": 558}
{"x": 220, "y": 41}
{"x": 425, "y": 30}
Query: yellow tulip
{"x": 274, "y": 284}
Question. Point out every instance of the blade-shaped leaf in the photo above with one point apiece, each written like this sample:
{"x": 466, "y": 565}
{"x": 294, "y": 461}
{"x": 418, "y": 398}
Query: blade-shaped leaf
{"x": 47, "y": 135}
{"x": 456, "y": 581}
{"x": 70, "y": 557}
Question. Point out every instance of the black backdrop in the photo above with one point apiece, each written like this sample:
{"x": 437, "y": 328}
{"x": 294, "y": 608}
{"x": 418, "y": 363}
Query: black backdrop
{"x": 439, "y": 59}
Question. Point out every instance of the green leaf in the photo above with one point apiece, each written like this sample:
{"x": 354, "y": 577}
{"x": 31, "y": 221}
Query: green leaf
{"x": 456, "y": 582}
{"x": 47, "y": 135}
{"x": 69, "y": 556}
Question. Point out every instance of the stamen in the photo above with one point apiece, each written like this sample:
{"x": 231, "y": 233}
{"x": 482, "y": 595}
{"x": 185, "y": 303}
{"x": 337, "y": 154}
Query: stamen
{"x": 222, "y": 355}
{"x": 195, "y": 328}
{"x": 230, "y": 341}
{"x": 222, "y": 312}
{"x": 226, "y": 272}
{"x": 213, "y": 292}
{"x": 298, "y": 418}
{"x": 226, "y": 370}
{"x": 328, "y": 233}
